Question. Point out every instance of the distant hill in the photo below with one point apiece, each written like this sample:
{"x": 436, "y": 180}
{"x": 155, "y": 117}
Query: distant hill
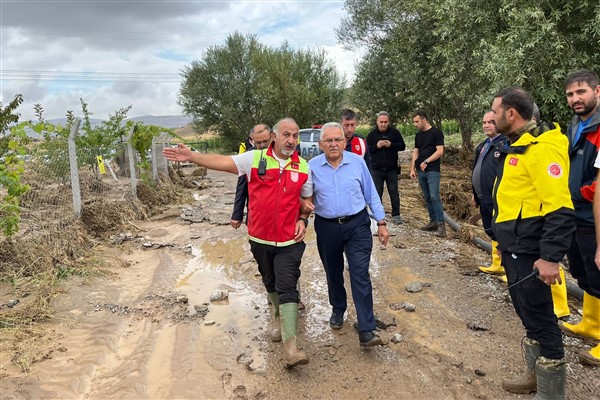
{"x": 167, "y": 121}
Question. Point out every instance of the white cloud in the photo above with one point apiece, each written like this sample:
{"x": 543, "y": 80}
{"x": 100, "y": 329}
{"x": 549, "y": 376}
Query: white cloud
{"x": 119, "y": 53}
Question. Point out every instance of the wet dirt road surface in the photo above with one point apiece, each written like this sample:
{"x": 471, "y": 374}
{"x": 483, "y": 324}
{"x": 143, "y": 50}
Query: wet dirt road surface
{"x": 152, "y": 333}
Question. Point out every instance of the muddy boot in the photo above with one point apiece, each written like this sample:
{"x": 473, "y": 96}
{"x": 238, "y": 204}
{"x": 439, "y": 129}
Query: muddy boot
{"x": 526, "y": 382}
{"x": 551, "y": 379}
{"x": 591, "y": 358}
{"x": 441, "y": 230}
{"x": 289, "y": 329}
{"x": 275, "y": 326}
{"x": 431, "y": 226}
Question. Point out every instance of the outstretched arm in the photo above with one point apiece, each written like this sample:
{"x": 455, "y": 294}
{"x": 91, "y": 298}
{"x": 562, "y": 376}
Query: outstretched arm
{"x": 218, "y": 162}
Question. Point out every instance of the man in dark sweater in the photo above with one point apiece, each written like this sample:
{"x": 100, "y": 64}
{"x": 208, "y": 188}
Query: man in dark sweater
{"x": 429, "y": 147}
{"x": 384, "y": 143}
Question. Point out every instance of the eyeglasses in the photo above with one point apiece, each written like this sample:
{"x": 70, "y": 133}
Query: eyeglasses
{"x": 331, "y": 140}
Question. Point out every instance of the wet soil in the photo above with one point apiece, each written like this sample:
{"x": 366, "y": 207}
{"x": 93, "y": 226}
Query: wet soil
{"x": 152, "y": 333}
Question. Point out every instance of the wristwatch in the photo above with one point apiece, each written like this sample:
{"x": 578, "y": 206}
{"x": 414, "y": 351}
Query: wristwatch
{"x": 381, "y": 223}
{"x": 425, "y": 162}
{"x": 305, "y": 220}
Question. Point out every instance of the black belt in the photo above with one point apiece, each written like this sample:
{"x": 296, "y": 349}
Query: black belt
{"x": 342, "y": 220}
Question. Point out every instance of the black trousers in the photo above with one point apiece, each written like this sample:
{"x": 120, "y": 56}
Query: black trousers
{"x": 355, "y": 239}
{"x": 486, "y": 208}
{"x": 280, "y": 268}
{"x": 581, "y": 260}
{"x": 532, "y": 300}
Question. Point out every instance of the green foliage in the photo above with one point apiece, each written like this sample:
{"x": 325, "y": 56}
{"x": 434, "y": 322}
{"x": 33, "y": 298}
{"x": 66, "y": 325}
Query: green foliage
{"x": 242, "y": 83}
{"x": 12, "y": 166}
{"x": 450, "y": 56}
{"x": 142, "y": 142}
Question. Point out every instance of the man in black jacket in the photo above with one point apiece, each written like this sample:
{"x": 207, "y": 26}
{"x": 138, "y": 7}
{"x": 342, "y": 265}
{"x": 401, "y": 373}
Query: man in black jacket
{"x": 485, "y": 168}
{"x": 384, "y": 144}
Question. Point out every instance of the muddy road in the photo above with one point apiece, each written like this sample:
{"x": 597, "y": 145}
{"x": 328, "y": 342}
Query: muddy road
{"x": 150, "y": 332}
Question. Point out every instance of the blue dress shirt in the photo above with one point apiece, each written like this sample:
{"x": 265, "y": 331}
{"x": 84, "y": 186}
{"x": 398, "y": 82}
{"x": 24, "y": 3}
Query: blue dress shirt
{"x": 345, "y": 190}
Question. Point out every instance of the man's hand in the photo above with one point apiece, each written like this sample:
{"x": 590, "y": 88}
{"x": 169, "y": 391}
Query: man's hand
{"x": 181, "y": 153}
{"x": 383, "y": 235}
{"x": 300, "y": 231}
{"x": 597, "y": 258}
{"x": 423, "y": 166}
{"x": 306, "y": 206}
{"x": 549, "y": 271}
{"x": 235, "y": 224}
{"x": 413, "y": 174}
{"x": 383, "y": 143}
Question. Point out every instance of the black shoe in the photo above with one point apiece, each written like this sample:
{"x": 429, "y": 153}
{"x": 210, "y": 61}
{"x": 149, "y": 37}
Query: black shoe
{"x": 432, "y": 226}
{"x": 369, "y": 339}
{"x": 337, "y": 320}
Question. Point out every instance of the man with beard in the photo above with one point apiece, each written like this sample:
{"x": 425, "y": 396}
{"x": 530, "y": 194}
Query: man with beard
{"x": 277, "y": 179}
{"x": 582, "y": 92}
{"x": 533, "y": 222}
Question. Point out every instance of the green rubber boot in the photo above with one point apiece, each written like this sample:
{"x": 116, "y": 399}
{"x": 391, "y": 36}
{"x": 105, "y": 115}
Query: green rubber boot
{"x": 275, "y": 326}
{"x": 289, "y": 329}
{"x": 551, "y": 379}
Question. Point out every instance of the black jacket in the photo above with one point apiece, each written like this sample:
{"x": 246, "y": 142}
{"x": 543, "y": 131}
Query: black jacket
{"x": 582, "y": 177}
{"x": 385, "y": 158}
{"x": 241, "y": 196}
{"x": 489, "y": 168}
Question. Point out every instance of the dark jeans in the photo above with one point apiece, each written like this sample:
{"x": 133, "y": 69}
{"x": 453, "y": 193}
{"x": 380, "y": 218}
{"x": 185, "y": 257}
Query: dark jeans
{"x": 430, "y": 186}
{"x": 581, "y": 260}
{"x": 280, "y": 268}
{"x": 355, "y": 239}
{"x": 532, "y": 300}
{"x": 391, "y": 180}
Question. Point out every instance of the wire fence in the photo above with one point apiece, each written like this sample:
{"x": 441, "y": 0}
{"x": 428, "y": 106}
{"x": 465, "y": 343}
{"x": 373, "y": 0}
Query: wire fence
{"x": 64, "y": 178}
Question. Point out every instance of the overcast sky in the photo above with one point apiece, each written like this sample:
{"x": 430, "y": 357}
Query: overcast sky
{"x": 116, "y": 53}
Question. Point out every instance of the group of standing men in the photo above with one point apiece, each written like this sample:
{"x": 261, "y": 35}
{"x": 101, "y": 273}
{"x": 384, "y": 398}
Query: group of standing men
{"x": 535, "y": 190}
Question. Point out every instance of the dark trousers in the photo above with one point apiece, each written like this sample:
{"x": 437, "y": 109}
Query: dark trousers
{"x": 581, "y": 260}
{"x": 355, "y": 239}
{"x": 532, "y": 300}
{"x": 486, "y": 207}
{"x": 391, "y": 180}
{"x": 279, "y": 268}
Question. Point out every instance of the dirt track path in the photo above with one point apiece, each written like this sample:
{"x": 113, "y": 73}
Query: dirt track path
{"x": 132, "y": 337}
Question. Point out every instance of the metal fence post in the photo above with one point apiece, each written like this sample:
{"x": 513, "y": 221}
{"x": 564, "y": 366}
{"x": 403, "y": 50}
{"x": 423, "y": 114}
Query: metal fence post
{"x": 75, "y": 188}
{"x": 131, "y": 156}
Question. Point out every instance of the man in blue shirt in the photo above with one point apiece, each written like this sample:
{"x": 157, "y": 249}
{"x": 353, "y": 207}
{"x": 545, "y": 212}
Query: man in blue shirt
{"x": 343, "y": 188}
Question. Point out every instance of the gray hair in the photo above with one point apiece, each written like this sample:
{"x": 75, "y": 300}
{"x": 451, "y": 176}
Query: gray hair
{"x": 380, "y": 113}
{"x": 276, "y": 126}
{"x": 334, "y": 125}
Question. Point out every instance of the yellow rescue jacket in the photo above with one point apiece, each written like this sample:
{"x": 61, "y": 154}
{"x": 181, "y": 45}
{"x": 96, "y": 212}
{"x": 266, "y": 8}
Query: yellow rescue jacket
{"x": 533, "y": 211}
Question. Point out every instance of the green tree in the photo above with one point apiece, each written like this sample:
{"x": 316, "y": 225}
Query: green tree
{"x": 243, "y": 83}
{"x": 13, "y": 139}
{"x": 452, "y": 55}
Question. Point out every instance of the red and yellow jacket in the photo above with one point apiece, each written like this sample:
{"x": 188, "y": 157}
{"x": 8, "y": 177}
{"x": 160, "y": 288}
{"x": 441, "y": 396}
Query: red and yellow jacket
{"x": 274, "y": 198}
{"x": 533, "y": 211}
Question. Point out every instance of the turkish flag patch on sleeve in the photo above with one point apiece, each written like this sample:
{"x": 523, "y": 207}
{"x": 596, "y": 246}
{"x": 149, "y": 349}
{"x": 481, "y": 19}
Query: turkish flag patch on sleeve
{"x": 513, "y": 161}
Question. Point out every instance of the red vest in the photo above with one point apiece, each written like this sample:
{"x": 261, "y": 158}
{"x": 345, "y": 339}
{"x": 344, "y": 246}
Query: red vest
{"x": 274, "y": 198}
{"x": 358, "y": 146}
